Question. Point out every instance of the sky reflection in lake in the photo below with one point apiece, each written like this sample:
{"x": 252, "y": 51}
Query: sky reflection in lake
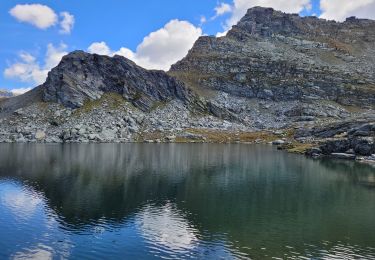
{"x": 181, "y": 201}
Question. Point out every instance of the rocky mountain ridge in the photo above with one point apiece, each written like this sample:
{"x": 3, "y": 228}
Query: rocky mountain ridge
{"x": 276, "y": 56}
{"x": 274, "y": 74}
{"x": 81, "y": 76}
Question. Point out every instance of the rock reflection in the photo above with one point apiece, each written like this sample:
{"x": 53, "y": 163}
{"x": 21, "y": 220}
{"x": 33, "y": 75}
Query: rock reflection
{"x": 358, "y": 173}
{"x": 84, "y": 183}
{"x": 238, "y": 200}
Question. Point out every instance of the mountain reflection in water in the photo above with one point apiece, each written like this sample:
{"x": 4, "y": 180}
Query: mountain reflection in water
{"x": 182, "y": 201}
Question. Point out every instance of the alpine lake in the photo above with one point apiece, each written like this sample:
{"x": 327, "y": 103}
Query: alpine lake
{"x": 182, "y": 201}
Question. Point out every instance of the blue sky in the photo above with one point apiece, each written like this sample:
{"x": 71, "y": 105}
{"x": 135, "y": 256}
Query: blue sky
{"x": 112, "y": 25}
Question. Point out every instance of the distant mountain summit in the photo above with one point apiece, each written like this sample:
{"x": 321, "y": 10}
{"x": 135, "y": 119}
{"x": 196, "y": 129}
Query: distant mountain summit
{"x": 277, "y": 56}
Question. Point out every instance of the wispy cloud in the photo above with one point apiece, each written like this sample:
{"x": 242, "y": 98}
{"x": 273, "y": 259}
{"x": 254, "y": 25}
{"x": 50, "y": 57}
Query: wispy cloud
{"x": 20, "y": 91}
{"x": 66, "y": 23}
{"x": 43, "y": 17}
{"x": 27, "y": 69}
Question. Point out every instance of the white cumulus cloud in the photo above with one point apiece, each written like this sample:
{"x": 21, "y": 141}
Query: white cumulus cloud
{"x": 100, "y": 48}
{"x": 160, "y": 49}
{"x": 27, "y": 69}
{"x": 54, "y": 55}
{"x": 166, "y": 46}
{"x": 38, "y": 15}
{"x": 20, "y": 91}
{"x": 27, "y": 57}
{"x": 221, "y": 34}
{"x": 240, "y": 7}
{"x": 341, "y": 9}
{"x": 66, "y": 23}
{"x": 43, "y": 17}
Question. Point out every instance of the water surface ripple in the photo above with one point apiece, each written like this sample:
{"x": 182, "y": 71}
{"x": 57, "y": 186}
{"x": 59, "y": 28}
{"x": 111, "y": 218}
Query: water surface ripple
{"x": 182, "y": 201}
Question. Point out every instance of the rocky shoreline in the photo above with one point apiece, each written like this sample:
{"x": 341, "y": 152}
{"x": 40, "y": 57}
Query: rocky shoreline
{"x": 344, "y": 140}
{"x": 115, "y": 121}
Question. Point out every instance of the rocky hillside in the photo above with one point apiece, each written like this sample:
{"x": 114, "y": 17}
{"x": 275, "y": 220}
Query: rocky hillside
{"x": 94, "y": 98}
{"x": 81, "y": 77}
{"x": 274, "y": 74}
{"x": 274, "y": 69}
{"x": 275, "y": 56}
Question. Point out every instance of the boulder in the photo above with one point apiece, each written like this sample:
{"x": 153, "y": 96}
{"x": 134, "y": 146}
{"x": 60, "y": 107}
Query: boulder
{"x": 278, "y": 142}
{"x": 171, "y": 138}
{"x": 108, "y": 134}
{"x": 345, "y": 156}
{"x": 363, "y": 145}
{"x": 313, "y": 151}
{"x": 40, "y": 135}
{"x": 335, "y": 146}
{"x": 363, "y": 130}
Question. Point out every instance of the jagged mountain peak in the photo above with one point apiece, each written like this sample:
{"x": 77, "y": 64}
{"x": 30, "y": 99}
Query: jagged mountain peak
{"x": 267, "y": 22}
{"x": 81, "y": 76}
{"x": 81, "y": 56}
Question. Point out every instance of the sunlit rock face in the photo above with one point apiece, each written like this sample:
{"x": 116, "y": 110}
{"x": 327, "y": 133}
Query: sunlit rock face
{"x": 272, "y": 55}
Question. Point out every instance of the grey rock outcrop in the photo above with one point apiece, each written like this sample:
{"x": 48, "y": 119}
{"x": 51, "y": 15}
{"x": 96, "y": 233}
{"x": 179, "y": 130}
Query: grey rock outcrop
{"x": 359, "y": 140}
{"x": 81, "y": 76}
